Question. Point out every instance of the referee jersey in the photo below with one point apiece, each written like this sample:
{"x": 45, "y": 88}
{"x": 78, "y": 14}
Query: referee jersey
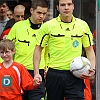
{"x": 25, "y": 41}
{"x": 64, "y": 40}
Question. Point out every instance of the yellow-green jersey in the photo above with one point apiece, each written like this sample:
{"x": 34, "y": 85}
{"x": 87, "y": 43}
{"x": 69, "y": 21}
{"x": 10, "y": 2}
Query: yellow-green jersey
{"x": 46, "y": 57}
{"x": 65, "y": 41}
{"x": 1, "y": 60}
{"x": 25, "y": 41}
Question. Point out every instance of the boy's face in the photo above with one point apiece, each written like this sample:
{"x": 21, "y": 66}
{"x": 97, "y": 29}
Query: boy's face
{"x": 9, "y": 14}
{"x": 7, "y": 55}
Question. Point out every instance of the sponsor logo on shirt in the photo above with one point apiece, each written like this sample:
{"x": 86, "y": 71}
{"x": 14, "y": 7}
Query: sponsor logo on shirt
{"x": 6, "y": 81}
{"x": 75, "y": 43}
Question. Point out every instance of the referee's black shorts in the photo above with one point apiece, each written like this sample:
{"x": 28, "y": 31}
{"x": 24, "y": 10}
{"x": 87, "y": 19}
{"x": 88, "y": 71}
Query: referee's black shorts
{"x": 60, "y": 84}
{"x": 36, "y": 94}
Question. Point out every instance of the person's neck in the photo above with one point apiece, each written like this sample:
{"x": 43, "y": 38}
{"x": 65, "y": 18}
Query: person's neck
{"x": 34, "y": 26}
{"x": 32, "y": 20}
{"x": 7, "y": 64}
{"x": 66, "y": 19}
{"x": 3, "y": 18}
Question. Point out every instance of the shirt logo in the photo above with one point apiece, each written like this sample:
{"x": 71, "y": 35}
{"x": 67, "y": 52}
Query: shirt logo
{"x": 33, "y": 35}
{"x": 6, "y": 81}
{"x": 75, "y": 43}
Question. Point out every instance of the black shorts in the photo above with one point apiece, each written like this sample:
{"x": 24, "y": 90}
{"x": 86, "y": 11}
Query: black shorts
{"x": 60, "y": 84}
{"x": 38, "y": 93}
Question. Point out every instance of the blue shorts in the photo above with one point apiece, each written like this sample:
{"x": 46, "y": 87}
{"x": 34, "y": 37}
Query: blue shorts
{"x": 61, "y": 83}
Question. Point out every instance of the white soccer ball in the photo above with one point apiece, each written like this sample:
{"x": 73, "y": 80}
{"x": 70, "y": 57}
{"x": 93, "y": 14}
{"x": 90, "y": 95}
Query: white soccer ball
{"x": 80, "y": 65}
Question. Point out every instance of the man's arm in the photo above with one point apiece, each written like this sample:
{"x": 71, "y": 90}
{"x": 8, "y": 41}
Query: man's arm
{"x": 36, "y": 62}
{"x": 91, "y": 56}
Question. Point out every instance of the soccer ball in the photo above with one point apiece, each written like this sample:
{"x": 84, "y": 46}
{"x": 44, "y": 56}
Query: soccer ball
{"x": 80, "y": 65}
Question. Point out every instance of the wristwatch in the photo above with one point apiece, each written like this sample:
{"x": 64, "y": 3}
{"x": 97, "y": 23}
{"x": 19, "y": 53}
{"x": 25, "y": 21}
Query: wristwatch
{"x": 94, "y": 71}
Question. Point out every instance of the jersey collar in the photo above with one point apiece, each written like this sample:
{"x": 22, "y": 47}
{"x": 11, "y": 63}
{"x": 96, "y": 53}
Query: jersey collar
{"x": 59, "y": 20}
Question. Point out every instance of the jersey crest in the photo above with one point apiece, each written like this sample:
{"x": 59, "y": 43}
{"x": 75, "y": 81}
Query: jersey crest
{"x": 75, "y": 43}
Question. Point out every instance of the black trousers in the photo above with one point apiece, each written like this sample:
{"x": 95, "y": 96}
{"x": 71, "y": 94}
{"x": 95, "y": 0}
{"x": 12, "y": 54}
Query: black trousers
{"x": 61, "y": 83}
{"x": 38, "y": 93}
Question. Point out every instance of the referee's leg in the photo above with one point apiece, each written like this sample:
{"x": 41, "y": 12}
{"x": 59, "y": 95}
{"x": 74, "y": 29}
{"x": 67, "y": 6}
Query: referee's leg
{"x": 74, "y": 87}
{"x": 54, "y": 85}
{"x": 36, "y": 94}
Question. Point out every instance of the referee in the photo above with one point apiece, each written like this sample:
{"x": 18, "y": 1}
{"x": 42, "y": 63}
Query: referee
{"x": 65, "y": 36}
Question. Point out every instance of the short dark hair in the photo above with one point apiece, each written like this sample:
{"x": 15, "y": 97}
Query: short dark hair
{"x": 41, "y": 3}
{"x": 3, "y": 1}
{"x": 21, "y": 1}
{"x": 57, "y": 2}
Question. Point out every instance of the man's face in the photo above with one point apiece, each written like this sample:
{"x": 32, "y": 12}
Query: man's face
{"x": 65, "y": 7}
{"x": 38, "y": 15}
{"x": 3, "y": 10}
{"x": 19, "y": 15}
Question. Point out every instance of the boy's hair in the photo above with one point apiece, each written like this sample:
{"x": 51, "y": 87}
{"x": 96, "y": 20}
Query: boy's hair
{"x": 3, "y": 1}
{"x": 6, "y": 44}
{"x": 57, "y": 2}
{"x": 40, "y": 3}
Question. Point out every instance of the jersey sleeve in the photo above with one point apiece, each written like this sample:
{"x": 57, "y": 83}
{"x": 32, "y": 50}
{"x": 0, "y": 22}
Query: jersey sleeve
{"x": 87, "y": 37}
{"x": 42, "y": 35}
{"x": 12, "y": 33}
{"x": 27, "y": 82}
{"x": 5, "y": 33}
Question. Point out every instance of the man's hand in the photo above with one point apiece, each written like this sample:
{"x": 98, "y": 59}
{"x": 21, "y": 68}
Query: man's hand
{"x": 89, "y": 76}
{"x": 45, "y": 73}
{"x": 37, "y": 79}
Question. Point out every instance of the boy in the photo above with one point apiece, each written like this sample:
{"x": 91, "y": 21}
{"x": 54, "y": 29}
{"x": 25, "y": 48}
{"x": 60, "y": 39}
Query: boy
{"x": 13, "y": 76}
